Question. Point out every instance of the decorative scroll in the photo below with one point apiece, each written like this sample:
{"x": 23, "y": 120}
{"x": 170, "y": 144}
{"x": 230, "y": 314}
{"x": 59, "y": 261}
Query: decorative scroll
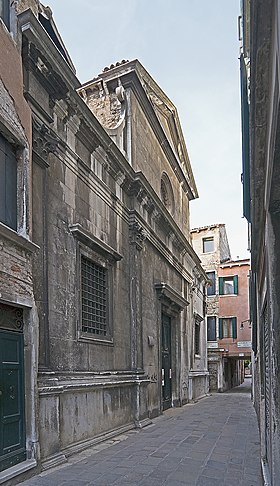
{"x": 11, "y": 318}
{"x": 137, "y": 235}
{"x": 44, "y": 142}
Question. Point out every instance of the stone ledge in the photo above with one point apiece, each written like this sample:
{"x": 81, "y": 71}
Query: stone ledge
{"x": 17, "y": 239}
{"x": 194, "y": 373}
{"x": 57, "y": 389}
{"x": 53, "y": 461}
{"x": 57, "y": 383}
{"x": 16, "y": 470}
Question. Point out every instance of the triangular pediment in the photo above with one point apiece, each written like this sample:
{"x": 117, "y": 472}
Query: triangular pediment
{"x": 168, "y": 118}
{"x": 101, "y": 95}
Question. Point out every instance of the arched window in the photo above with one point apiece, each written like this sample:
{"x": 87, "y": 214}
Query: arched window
{"x": 166, "y": 192}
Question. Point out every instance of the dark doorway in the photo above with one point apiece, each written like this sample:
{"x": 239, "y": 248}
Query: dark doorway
{"x": 12, "y": 426}
{"x": 166, "y": 362}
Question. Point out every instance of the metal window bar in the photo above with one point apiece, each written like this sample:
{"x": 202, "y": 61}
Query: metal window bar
{"x": 94, "y": 298}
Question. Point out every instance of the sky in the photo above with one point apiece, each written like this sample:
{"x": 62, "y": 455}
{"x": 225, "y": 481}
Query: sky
{"x": 191, "y": 49}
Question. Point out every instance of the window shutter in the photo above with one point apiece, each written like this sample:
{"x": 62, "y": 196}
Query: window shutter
{"x": 8, "y": 184}
{"x": 5, "y": 12}
{"x": 211, "y": 328}
{"x": 221, "y": 286}
{"x": 234, "y": 327}
{"x": 235, "y": 284}
{"x": 221, "y": 329}
{"x": 11, "y": 188}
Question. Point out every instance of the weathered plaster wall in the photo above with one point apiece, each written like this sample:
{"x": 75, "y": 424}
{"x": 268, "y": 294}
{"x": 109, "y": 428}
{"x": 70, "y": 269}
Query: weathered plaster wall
{"x": 11, "y": 76}
{"x": 16, "y": 249}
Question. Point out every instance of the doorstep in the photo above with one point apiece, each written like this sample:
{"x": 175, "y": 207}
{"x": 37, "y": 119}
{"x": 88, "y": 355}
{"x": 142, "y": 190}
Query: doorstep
{"x": 17, "y": 469}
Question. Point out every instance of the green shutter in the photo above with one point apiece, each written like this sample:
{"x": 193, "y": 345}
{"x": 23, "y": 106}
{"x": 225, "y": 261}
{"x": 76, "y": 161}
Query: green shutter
{"x": 221, "y": 329}
{"x": 235, "y": 284}
{"x": 221, "y": 286}
{"x": 245, "y": 140}
{"x": 234, "y": 327}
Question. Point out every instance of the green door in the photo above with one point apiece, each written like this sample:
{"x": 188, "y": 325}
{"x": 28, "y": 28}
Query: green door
{"x": 12, "y": 425}
{"x": 166, "y": 372}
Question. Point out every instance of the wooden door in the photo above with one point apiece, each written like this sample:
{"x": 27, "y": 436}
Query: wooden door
{"x": 166, "y": 371}
{"x": 12, "y": 423}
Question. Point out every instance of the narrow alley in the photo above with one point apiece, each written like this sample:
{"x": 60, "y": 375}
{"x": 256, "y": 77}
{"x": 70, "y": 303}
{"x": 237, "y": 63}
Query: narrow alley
{"x": 213, "y": 442}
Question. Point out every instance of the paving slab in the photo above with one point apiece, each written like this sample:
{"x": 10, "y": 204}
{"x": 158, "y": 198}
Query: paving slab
{"x": 212, "y": 442}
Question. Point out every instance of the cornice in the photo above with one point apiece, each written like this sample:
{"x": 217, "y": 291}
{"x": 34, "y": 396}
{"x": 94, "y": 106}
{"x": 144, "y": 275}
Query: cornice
{"x": 33, "y": 30}
{"x": 20, "y": 240}
{"x": 56, "y": 69}
{"x": 140, "y": 188}
{"x": 93, "y": 242}
{"x": 171, "y": 296}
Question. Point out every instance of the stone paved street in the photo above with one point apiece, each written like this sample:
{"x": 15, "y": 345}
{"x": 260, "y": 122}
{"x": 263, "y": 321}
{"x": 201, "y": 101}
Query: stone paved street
{"x": 213, "y": 442}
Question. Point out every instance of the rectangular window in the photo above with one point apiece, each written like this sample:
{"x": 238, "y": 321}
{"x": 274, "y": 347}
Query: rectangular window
{"x": 94, "y": 289}
{"x": 197, "y": 338}
{"x": 211, "y": 290}
{"x": 228, "y": 327}
{"x": 5, "y": 12}
{"x": 211, "y": 328}
{"x": 8, "y": 184}
{"x": 228, "y": 285}
{"x": 208, "y": 244}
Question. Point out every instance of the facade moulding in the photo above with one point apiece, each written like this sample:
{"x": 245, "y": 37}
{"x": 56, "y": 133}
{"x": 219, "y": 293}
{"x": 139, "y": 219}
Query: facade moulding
{"x": 137, "y": 234}
{"x": 85, "y": 387}
{"x": 94, "y": 243}
{"x": 171, "y": 297}
{"x": 198, "y": 373}
{"x": 198, "y": 317}
{"x": 153, "y": 238}
{"x": 141, "y": 190}
{"x": 35, "y": 33}
{"x": 44, "y": 143}
{"x": 16, "y": 300}
{"x": 99, "y": 187}
{"x": 17, "y": 239}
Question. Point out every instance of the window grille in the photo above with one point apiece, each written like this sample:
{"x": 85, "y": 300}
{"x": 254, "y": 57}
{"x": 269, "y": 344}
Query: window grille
{"x": 94, "y": 298}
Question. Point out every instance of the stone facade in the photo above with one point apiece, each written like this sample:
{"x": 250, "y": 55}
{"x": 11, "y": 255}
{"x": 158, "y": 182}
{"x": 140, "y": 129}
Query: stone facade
{"x": 95, "y": 197}
{"x": 260, "y": 89}
{"x": 111, "y": 291}
{"x": 122, "y": 97}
